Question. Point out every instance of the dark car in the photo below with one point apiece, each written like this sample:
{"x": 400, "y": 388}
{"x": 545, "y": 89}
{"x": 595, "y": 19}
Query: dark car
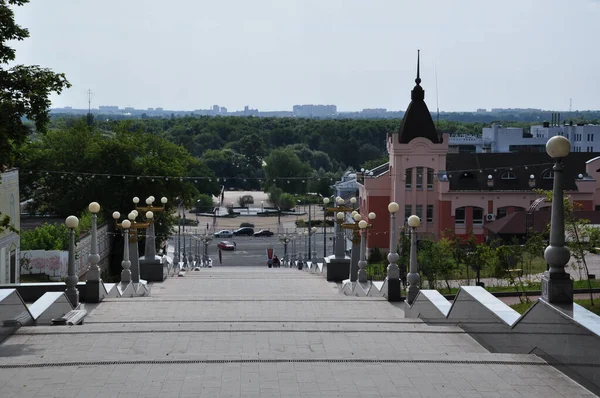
{"x": 246, "y": 231}
{"x": 226, "y": 245}
{"x": 263, "y": 232}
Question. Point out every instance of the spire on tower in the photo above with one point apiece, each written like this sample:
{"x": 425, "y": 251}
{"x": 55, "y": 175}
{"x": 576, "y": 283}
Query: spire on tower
{"x": 418, "y": 79}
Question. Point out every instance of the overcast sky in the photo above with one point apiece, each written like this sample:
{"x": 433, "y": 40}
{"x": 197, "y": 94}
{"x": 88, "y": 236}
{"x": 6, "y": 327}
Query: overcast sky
{"x": 270, "y": 55}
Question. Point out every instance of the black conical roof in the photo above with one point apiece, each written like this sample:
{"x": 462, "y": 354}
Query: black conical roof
{"x": 417, "y": 121}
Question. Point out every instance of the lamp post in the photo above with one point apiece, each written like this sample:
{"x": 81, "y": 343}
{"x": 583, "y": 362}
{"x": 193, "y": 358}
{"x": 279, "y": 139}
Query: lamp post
{"x": 206, "y": 239}
{"x": 131, "y": 239}
{"x": 285, "y": 240}
{"x": 313, "y": 232}
{"x": 413, "y": 274}
{"x": 393, "y": 271}
{"x": 362, "y": 263}
{"x": 325, "y": 203}
{"x": 71, "y": 280}
{"x": 93, "y": 271}
{"x": 557, "y": 286}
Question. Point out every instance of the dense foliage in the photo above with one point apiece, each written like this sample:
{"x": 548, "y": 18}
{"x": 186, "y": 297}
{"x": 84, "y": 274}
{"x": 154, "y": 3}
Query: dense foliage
{"x": 24, "y": 89}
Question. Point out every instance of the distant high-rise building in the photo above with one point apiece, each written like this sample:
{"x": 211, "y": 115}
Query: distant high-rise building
{"x": 314, "y": 110}
{"x": 215, "y": 109}
{"x": 223, "y": 110}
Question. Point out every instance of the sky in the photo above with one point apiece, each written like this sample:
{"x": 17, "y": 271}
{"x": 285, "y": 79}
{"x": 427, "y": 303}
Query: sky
{"x": 271, "y": 55}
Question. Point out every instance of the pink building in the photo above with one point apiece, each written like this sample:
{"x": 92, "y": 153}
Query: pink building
{"x": 462, "y": 192}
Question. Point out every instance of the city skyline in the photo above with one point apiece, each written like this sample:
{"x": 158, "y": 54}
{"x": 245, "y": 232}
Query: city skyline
{"x": 271, "y": 57}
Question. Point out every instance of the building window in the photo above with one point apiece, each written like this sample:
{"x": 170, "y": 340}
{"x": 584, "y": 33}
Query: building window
{"x": 591, "y": 139}
{"x": 509, "y": 175}
{"x": 429, "y": 179}
{"x": 477, "y": 216}
{"x": 408, "y": 177}
{"x": 407, "y": 211}
{"x": 459, "y": 216}
{"x": 548, "y": 174}
{"x": 429, "y": 214}
{"x": 419, "y": 178}
{"x": 501, "y": 213}
{"x": 420, "y": 211}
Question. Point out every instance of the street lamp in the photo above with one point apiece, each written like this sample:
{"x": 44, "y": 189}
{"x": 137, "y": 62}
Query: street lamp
{"x": 93, "y": 271}
{"x": 285, "y": 240}
{"x": 393, "y": 271}
{"x": 413, "y": 274}
{"x": 71, "y": 280}
{"x": 325, "y": 203}
{"x": 313, "y": 232}
{"x": 557, "y": 286}
{"x": 362, "y": 226}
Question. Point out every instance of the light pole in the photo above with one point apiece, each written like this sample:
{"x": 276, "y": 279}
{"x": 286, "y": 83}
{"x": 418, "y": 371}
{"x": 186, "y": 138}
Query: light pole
{"x": 285, "y": 240}
{"x": 93, "y": 271}
{"x": 325, "y": 203}
{"x": 362, "y": 263}
{"x": 126, "y": 263}
{"x": 309, "y": 229}
{"x": 313, "y": 232}
{"x": 413, "y": 275}
{"x": 71, "y": 280}
{"x": 557, "y": 286}
{"x": 393, "y": 271}
{"x": 93, "y": 292}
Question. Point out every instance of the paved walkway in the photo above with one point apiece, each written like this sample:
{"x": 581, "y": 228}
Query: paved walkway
{"x": 257, "y": 332}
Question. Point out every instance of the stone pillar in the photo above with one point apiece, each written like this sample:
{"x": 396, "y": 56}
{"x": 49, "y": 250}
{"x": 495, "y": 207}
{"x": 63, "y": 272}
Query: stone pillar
{"x": 93, "y": 281}
{"x": 557, "y": 286}
{"x": 355, "y": 256}
{"x": 362, "y": 264}
{"x": 126, "y": 264}
{"x": 413, "y": 274}
{"x": 394, "y": 292}
{"x": 134, "y": 257}
{"x": 72, "y": 279}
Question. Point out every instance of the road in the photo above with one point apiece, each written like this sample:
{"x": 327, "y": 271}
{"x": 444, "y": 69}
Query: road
{"x": 251, "y": 251}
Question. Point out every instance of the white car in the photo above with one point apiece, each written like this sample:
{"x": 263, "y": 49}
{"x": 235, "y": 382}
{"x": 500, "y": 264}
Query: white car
{"x": 225, "y": 233}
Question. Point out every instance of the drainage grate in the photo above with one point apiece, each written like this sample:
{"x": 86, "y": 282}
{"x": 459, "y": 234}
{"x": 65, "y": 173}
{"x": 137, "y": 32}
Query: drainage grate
{"x": 266, "y": 361}
{"x": 72, "y": 332}
{"x": 264, "y": 321}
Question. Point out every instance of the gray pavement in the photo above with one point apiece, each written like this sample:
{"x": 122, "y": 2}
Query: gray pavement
{"x": 258, "y": 332}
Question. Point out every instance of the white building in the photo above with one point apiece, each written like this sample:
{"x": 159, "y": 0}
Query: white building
{"x": 512, "y": 139}
{"x": 10, "y": 244}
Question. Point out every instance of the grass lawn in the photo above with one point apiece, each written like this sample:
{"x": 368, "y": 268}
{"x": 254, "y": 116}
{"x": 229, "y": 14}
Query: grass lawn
{"x": 587, "y": 304}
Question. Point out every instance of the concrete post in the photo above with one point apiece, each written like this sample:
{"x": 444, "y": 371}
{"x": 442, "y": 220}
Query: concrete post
{"x": 92, "y": 284}
{"x": 355, "y": 255}
{"x": 93, "y": 272}
{"x": 393, "y": 271}
{"x": 557, "y": 286}
{"x": 362, "y": 264}
{"x": 126, "y": 264}
{"x": 72, "y": 279}
{"x": 413, "y": 274}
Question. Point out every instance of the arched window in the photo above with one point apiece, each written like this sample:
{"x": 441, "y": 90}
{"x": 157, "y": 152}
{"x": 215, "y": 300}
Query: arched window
{"x": 509, "y": 175}
{"x": 548, "y": 174}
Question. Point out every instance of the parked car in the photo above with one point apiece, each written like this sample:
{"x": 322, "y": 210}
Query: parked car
{"x": 226, "y": 245}
{"x": 225, "y": 233}
{"x": 246, "y": 231}
{"x": 246, "y": 224}
{"x": 263, "y": 232}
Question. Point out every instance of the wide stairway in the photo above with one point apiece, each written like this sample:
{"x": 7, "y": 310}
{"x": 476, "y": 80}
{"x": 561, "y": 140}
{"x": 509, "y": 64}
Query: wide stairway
{"x": 258, "y": 332}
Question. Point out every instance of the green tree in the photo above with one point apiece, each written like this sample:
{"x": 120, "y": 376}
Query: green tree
{"x": 285, "y": 170}
{"x": 24, "y": 90}
{"x": 46, "y": 237}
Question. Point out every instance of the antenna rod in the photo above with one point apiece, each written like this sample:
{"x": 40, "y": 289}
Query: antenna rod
{"x": 437, "y": 99}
